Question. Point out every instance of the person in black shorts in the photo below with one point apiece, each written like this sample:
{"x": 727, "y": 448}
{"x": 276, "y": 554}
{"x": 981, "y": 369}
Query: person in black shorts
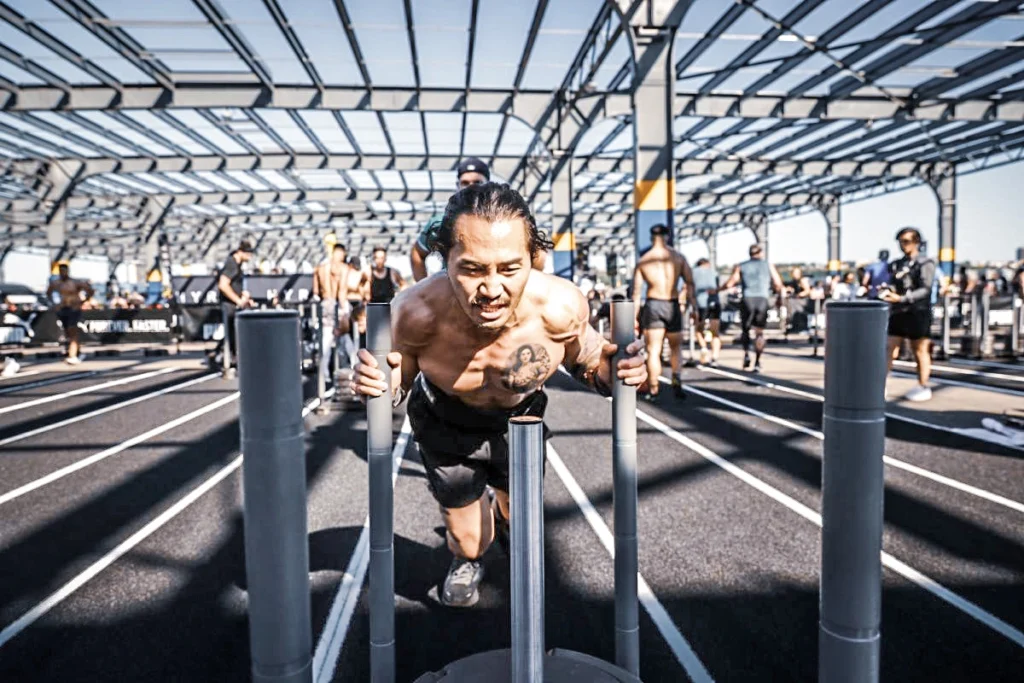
{"x": 908, "y": 294}
{"x": 709, "y": 310}
{"x": 660, "y": 269}
{"x": 475, "y": 346}
{"x": 756, "y": 278}
{"x": 232, "y": 297}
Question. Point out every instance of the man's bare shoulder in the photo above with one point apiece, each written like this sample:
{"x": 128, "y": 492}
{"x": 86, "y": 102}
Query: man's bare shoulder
{"x": 416, "y": 311}
{"x": 562, "y": 304}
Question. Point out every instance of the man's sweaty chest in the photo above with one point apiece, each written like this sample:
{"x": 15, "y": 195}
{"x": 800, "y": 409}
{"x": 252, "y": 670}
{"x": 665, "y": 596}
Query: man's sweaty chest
{"x": 497, "y": 374}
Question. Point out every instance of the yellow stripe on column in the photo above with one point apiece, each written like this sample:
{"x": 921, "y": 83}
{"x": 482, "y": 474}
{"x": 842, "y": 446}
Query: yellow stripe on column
{"x": 947, "y": 254}
{"x": 655, "y": 195}
{"x": 565, "y": 241}
{"x": 834, "y": 265}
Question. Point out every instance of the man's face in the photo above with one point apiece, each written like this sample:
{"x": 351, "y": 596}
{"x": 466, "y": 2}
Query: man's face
{"x": 488, "y": 266}
{"x": 379, "y": 257}
{"x": 471, "y": 178}
{"x": 63, "y": 272}
{"x": 908, "y": 243}
{"x": 244, "y": 256}
{"x": 338, "y": 257}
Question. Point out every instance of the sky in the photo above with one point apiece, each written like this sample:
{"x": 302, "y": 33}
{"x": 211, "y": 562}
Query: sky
{"x": 990, "y": 224}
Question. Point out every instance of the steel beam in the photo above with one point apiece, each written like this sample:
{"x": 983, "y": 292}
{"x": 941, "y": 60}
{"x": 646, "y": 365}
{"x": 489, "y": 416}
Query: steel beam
{"x": 943, "y": 184}
{"x": 564, "y": 257}
{"x": 829, "y": 208}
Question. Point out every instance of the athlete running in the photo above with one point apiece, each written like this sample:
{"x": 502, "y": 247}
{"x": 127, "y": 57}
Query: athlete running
{"x": 756, "y": 278}
{"x": 709, "y": 310}
{"x": 661, "y": 316}
{"x": 385, "y": 281}
{"x": 70, "y": 310}
{"x": 474, "y": 346}
{"x": 471, "y": 171}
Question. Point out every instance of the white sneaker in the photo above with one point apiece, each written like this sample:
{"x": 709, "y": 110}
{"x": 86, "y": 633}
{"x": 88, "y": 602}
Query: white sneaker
{"x": 919, "y": 393}
{"x": 11, "y": 368}
{"x": 73, "y": 361}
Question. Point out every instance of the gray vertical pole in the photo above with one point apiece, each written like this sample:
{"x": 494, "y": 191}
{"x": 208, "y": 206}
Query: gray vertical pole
{"x": 382, "y": 529}
{"x": 817, "y": 317}
{"x": 986, "y": 306}
{"x": 526, "y": 500}
{"x": 321, "y": 371}
{"x": 627, "y": 617}
{"x": 945, "y": 326}
{"x": 274, "y": 481}
{"x": 1017, "y": 315}
{"x": 226, "y": 356}
{"x": 852, "y": 490}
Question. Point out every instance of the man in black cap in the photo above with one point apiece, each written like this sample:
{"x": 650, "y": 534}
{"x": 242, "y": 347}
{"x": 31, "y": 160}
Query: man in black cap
{"x": 470, "y": 171}
{"x": 229, "y": 284}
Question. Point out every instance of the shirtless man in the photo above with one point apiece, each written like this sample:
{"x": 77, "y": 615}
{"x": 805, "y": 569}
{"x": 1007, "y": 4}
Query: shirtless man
{"x": 660, "y": 269}
{"x": 70, "y": 310}
{"x": 357, "y": 285}
{"x": 474, "y": 346}
{"x": 328, "y": 280}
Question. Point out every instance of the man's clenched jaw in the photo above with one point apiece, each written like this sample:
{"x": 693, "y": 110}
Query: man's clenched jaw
{"x": 488, "y": 266}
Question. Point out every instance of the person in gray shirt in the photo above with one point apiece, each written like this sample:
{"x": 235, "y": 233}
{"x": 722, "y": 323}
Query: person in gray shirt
{"x": 908, "y": 294}
{"x": 756, "y": 278}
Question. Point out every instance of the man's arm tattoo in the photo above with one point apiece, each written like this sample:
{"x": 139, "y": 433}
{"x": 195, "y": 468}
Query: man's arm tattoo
{"x": 584, "y": 367}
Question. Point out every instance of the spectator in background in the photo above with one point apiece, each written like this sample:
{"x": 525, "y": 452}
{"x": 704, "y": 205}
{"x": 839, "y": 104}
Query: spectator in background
{"x": 876, "y": 274}
{"x": 797, "y": 292}
{"x": 910, "y": 313}
{"x": 135, "y": 299}
{"x": 232, "y": 297}
{"x": 1018, "y": 280}
{"x": 845, "y": 289}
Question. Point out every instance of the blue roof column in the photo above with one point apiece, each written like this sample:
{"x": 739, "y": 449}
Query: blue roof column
{"x": 654, "y": 191}
{"x": 943, "y": 183}
{"x": 829, "y": 208}
{"x": 564, "y": 256}
{"x": 711, "y": 239}
{"x": 758, "y": 224}
{"x": 61, "y": 182}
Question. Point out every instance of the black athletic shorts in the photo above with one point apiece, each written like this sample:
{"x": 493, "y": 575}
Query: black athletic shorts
{"x": 660, "y": 313}
{"x": 911, "y": 323}
{"x": 754, "y": 312}
{"x": 69, "y": 317}
{"x": 463, "y": 449}
{"x": 713, "y": 311}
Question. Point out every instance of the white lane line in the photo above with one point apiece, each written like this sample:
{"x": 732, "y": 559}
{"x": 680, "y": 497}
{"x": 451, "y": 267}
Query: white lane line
{"x": 85, "y": 390}
{"x": 46, "y": 382}
{"x": 108, "y": 409}
{"x": 962, "y": 371}
{"x": 58, "y": 596}
{"x": 888, "y": 460}
{"x": 901, "y": 568}
{"x": 123, "y": 446}
{"x": 21, "y": 374}
{"x": 820, "y": 398}
{"x": 986, "y": 364}
{"x": 332, "y": 637}
{"x": 969, "y": 385}
{"x": 685, "y": 655}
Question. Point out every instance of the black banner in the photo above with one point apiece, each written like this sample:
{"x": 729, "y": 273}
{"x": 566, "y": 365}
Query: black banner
{"x": 126, "y": 326}
{"x": 201, "y": 323}
{"x": 290, "y": 289}
{"x": 195, "y": 290}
